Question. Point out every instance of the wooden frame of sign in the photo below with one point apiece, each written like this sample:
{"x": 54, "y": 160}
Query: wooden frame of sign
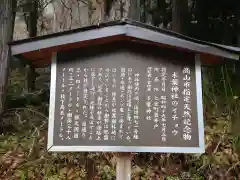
{"x": 175, "y": 129}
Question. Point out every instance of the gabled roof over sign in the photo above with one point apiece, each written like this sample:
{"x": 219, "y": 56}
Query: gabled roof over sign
{"x": 39, "y": 49}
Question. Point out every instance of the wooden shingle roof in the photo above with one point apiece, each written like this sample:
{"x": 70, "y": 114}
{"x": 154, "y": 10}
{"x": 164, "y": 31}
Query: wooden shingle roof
{"x": 39, "y": 50}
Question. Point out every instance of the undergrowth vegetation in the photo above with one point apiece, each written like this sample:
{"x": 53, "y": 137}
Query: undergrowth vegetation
{"x": 24, "y": 156}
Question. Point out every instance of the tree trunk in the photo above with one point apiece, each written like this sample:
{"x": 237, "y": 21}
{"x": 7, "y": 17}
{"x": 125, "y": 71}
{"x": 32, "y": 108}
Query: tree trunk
{"x": 202, "y": 21}
{"x": 33, "y": 18}
{"x": 180, "y": 16}
{"x": 7, "y": 16}
{"x": 134, "y": 10}
{"x": 31, "y": 22}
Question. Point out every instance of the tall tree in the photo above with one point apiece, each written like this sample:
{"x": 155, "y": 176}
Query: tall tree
{"x": 31, "y": 19}
{"x": 7, "y": 17}
{"x": 134, "y": 10}
{"x": 160, "y": 12}
{"x": 31, "y": 16}
{"x": 180, "y": 16}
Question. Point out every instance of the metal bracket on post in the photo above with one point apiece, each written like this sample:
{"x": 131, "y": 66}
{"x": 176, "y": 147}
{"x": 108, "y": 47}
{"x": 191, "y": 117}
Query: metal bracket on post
{"x": 123, "y": 166}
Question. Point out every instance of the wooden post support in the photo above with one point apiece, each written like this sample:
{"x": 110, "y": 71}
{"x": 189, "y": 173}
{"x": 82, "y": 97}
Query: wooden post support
{"x": 123, "y": 166}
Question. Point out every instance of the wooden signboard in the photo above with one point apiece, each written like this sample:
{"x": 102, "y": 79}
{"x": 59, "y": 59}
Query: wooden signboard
{"x": 126, "y": 99}
{"x": 127, "y": 87}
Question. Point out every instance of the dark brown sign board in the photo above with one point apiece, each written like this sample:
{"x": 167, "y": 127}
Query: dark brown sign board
{"x": 126, "y": 100}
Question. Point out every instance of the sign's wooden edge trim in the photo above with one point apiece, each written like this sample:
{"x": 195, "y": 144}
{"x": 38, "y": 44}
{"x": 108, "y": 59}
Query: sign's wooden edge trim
{"x": 152, "y": 149}
{"x": 199, "y": 102}
{"x": 52, "y": 100}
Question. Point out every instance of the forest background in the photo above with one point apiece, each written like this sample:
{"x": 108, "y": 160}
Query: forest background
{"x": 24, "y": 90}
